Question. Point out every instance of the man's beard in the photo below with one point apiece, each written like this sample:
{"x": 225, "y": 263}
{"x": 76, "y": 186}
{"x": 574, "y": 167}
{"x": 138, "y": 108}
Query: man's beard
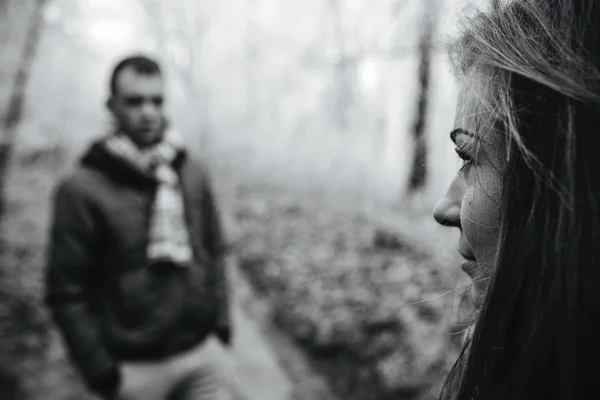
{"x": 144, "y": 138}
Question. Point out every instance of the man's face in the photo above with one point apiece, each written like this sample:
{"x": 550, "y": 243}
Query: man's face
{"x": 137, "y": 104}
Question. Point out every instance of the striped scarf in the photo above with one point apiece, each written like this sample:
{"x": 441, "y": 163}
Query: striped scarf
{"x": 168, "y": 234}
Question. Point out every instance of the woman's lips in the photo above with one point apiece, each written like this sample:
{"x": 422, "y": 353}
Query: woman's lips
{"x": 469, "y": 266}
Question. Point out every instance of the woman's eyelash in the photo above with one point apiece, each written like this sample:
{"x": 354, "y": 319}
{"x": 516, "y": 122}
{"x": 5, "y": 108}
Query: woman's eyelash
{"x": 467, "y": 160}
{"x": 463, "y": 155}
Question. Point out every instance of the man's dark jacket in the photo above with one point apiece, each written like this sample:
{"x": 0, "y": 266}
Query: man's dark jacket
{"x": 110, "y": 302}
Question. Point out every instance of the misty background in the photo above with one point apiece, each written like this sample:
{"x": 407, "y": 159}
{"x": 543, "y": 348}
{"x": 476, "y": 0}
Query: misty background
{"x": 325, "y": 125}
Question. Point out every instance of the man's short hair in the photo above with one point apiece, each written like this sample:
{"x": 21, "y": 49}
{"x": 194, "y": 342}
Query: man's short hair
{"x": 140, "y": 64}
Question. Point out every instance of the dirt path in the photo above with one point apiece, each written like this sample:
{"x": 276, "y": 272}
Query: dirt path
{"x": 62, "y": 111}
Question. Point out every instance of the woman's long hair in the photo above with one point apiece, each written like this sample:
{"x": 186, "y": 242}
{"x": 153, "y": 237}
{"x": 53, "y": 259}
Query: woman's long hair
{"x": 535, "y": 334}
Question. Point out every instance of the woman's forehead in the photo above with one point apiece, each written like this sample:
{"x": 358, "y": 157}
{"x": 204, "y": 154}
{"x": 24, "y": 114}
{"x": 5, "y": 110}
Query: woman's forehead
{"x": 473, "y": 106}
{"x": 477, "y": 113}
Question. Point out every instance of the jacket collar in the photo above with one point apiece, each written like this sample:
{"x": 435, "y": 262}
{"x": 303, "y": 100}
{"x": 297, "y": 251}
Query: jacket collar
{"x": 98, "y": 157}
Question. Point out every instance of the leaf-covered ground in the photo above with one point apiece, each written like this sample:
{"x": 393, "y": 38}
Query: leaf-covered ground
{"x": 370, "y": 308}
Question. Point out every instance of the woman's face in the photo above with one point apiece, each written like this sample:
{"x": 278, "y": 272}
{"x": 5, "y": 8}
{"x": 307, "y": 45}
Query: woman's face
{"x": 472, "y": 203}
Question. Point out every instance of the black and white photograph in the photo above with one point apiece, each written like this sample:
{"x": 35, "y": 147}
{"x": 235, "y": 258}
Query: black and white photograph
{"x": 299, "y": 199}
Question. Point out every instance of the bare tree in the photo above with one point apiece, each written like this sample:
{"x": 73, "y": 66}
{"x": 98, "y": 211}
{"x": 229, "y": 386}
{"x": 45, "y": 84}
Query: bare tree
{"x": 344, "y": 69}
{"x": 418, "y": 172}
{"x": 30, "y": 30}
{"x": 179, "y": 28}
{"x": 251, "y": 59}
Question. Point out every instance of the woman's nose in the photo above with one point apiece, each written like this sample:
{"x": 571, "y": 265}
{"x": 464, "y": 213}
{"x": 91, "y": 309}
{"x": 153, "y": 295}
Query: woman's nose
{"x": 447, "y": 210}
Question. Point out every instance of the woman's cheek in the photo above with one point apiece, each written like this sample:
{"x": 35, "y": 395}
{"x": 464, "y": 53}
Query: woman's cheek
{"x": 482, "y": 224}
{"x": 468, "y": 216}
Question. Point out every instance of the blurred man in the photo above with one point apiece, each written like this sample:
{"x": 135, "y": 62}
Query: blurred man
{"x": 136, "y": 280}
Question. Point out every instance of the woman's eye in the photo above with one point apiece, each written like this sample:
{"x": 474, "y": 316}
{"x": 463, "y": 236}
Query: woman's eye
{"x": 466, "y": 157}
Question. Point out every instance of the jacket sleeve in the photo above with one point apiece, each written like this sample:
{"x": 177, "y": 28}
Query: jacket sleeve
{"x": 69, "y": 283}
{"x": 216, "y": 246}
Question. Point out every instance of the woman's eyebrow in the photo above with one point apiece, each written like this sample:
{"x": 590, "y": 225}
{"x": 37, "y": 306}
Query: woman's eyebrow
{"x": 461, "y": 131}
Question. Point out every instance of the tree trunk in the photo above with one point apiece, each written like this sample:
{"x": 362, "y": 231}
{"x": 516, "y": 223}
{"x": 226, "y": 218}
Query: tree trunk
{"x": 343, "y": 91}
{"x": 418, "y": 173}
{"x": 251, "y": 59}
